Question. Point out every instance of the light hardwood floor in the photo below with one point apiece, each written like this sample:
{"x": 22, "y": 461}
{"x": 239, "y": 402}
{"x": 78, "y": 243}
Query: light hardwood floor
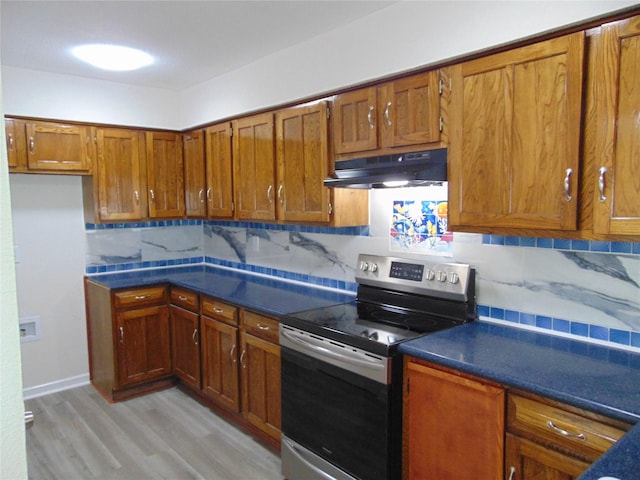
{"x": 166, "y": 435}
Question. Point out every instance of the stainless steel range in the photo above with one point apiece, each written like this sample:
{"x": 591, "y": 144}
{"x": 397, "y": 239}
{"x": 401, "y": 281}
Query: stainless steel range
{"x": 342, "y": 374}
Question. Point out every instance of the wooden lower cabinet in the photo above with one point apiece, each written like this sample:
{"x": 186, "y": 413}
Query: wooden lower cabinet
{"x": 185, "y": 345}
{"x": 129, "y": 340}
{"x": 453, "y": 425}
{"x": 260, "y": 373}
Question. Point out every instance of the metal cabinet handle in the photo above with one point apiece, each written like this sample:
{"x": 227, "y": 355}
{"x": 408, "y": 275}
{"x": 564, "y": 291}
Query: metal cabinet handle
{"x": 201, "y": 195}
{"x": 269, "y": 190}
{"x": 152, "y": 195}
{"x": 262, "y": 327}
{"x": 601, "y": 183}
{"x": 208, "y": 194}
{"x": 370, "y": 117}
{"x": 565, "y": 433}
{"x": 137, "y": 196}
{"x": 243, "y": 365}
{"x": 512, "y": 472}
{"x": 280, "y": 196}
{"x": 218, "y": 310}
{"x": 121, "y": 329}
{"x": 32, "y": 145}
{"x": 142, "y": 297}
{"x": 231, "y": 355}
{"x": 386, "y": 114}
{"x": 567, "y": 184}
{"x": 10, "y": 142}
{"x": 182, "y": 297}
{"x": 194, "y": 336}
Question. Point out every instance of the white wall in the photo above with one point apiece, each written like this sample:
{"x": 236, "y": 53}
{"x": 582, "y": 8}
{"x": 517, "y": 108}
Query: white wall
{"x": 49, "y": 231}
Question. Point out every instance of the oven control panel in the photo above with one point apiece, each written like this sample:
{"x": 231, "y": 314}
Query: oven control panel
{"x": 419, "y": 276}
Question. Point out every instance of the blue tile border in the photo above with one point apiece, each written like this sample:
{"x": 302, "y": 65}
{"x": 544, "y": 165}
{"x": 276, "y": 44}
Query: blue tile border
{"x": 614, "y": 336}
{"x": 631, "y": 248}
{"x": 119, "y": 267}
{"x": 362, "y": 231}
{"x": 150, "y": 224}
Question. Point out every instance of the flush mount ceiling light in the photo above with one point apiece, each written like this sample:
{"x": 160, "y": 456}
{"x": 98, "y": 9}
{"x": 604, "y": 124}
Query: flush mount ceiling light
{"x": 112, "y": 57}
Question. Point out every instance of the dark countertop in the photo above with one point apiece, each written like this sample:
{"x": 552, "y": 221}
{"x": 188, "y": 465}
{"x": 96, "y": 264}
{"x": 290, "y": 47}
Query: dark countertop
{"x": 263, "y": 295}
{"x": 597, "y": 378}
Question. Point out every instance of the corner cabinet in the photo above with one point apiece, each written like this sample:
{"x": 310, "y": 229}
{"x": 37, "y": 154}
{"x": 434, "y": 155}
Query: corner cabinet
{"x": 219, "y": 168}
{"x": 453, "y": 425}
{"x": 194, "y": 174}
{"x": 514, "y": 141}
{"x": 254, "y": 167}
{"x": 129, "y": 340}
{"x": 617, "y": 161}
{"x": 165, "y": 175}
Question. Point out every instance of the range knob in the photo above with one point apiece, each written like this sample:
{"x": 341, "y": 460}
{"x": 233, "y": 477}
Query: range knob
{"x": 430, "y": 275}
{"x": 441, "y": 276}
{"x": 454, "y": 278}
{"x": 373, "y": 267}
{"x": 364, "y": 266}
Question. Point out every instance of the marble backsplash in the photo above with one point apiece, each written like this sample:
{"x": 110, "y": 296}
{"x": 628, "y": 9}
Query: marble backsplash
{"x": 589, "y": 289}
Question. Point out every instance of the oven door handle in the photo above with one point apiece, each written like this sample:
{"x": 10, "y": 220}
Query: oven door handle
{"x": 300, "y": 456}
{"x": 321, "y": 350}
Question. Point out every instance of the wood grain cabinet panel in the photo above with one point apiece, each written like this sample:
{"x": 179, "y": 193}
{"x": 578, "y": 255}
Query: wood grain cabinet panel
{"x": 16, "y": 144}
{"x": 219, "y": 194}
{"x": 514, "y": 142}
{"x": 302, "y": 163}
{"x": 453, "y": 425}
{"x": 355, "y": 121}
{"x": 120, "y": 183}
{"x": 165, "y": 175}
{"x": 58, "y": 147}
{"x": 185, "y": 346}
{"x": 617, "y": 163}
{"x": 194, "y": 174}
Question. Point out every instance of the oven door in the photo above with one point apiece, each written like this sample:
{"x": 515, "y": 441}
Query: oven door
{"x": 340, "y": 416}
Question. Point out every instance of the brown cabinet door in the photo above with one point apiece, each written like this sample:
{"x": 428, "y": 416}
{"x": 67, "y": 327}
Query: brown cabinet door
{"x": 455, "y": 426}
{"x": 121, "y": 192}
{"x": 220, "y": 378}
{"x": 260, "y": 373}
{"x": 355, "y": 121}
{"x": 59, "y": 147}
{"x": 254, "y": 167}
{"x": 165, "y": 175}
{"x": 142, "y": 344}
{"x": 185, "y": 346}
{"x": 219, "y": 192}
{"x": 303, "y": 164}
{"x": 515, "y": 136}
{"x": 526, "y": 460}
{"x": 410, "y": 110}
{"x": 194, "y": 174}
{"x": 616, "y": 205}
{"x": 16, "y": 144}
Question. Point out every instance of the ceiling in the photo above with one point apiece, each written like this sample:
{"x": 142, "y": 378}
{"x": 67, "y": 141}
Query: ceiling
{"x": 192, "y": 41}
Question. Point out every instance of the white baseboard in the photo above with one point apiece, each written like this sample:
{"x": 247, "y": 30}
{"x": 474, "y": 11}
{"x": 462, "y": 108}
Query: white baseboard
{"x": 57, "y": 386}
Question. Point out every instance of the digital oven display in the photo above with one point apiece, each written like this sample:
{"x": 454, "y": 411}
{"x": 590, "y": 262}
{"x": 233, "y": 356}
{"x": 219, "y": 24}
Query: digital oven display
{"x": 406, "y": 271}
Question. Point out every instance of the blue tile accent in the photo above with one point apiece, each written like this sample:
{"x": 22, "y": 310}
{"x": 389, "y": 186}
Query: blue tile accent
{"x": 512, "y": 241}
{"x": 619, "y": 336}
{"x": 600, "y": 246}
{"x": 579, "y": 328}
{"x": 497, "y": 240}
{"x": 561, "y": 244}
{"x": 544, "y": 242}
{"x": 636, "y": 248}
{"x": 497, "y": 313}
{"x": 512, "y": 316}
{"x": 483, "y": 310}
{"x": 543, "y": 322}
{"x": 635, "y": 339}
{"x": 527, "y": 242}
{"x": 560, "y": 325}
{"x": 621, "y": 247}
{"x": 486, "y": 239}
{"x": 527, "y": 319}
{"x": 579, "y": 244}
{"x": 598, "y": 332}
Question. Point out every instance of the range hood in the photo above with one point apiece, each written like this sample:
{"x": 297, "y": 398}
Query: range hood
{"x": 413, "y": 169}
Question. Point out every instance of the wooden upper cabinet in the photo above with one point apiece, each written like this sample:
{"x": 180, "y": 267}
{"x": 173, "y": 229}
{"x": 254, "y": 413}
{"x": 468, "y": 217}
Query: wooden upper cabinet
{"x": 120, "y": 175}
{"x": 165, "y": 175}
{"x": 58, "y": 147}
{"x": 399, "y": 113}
{"x": 194, "y": 174}
{"x": 219, "y": 193}
{"x": 302, "y": 163}
{"x": 617, "y": 162}
{"x": 16, "y": 144}
{"x": 514, "y": 142}
{"x": 254, "y": 167}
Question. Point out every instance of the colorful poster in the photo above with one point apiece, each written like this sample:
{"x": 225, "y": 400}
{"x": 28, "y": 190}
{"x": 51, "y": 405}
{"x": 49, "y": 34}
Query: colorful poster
{"x": 420, "y": 226}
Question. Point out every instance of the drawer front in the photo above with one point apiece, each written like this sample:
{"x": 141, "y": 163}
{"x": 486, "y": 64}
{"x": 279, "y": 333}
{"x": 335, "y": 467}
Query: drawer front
{"x": 566, "y": 430}
{"x": 260, "y": 326}
{"x": 219, "y": 310}
{"x": 185, "y": 299}
{"x": 139, "y": 297}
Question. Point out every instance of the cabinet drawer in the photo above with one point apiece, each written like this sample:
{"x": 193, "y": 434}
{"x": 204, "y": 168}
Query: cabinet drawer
{"x": 140, "y": 296}
{"x": 219, "y": 310}
{"x": 563, "y": 429}
{"x": 185, "y": 299}
{"x": 260, "y": 326}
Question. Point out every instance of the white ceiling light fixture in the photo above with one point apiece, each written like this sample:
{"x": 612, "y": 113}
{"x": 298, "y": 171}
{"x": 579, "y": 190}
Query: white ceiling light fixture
{"x": 112, "y": 57}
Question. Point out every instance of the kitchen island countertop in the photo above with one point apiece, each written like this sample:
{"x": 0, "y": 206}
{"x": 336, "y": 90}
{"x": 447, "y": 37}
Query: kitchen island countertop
{"x": 594, "y": 377}
{"x": 269, "y": 296}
